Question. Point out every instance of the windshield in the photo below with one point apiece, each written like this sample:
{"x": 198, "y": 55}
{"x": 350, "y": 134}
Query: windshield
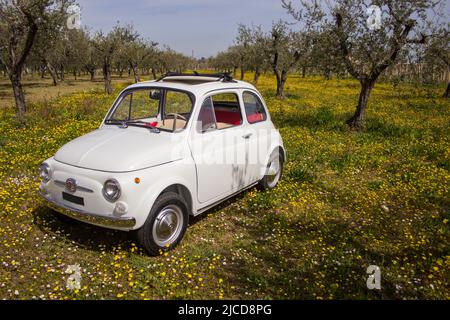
{"x": 164, "y": 109}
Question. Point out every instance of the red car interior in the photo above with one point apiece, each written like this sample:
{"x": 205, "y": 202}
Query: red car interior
{"x": 256, "y": 117}
{"x": 228, "y": 116}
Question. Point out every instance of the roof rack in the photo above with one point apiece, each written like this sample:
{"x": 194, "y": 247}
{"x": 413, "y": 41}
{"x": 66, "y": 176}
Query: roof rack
{"x": 224, "y": 76}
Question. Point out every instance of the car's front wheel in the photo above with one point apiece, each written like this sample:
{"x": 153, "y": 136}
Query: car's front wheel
{"x": 166, "y": 224}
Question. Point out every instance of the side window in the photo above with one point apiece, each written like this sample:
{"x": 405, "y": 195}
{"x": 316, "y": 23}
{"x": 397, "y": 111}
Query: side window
{"x": 254, "y": 108}
{"x": 227, "y": 110}
{"x": 206, "y": 120}
{"x": 219, "y": 111}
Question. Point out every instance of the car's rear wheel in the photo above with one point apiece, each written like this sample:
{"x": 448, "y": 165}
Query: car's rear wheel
{"x": 273, "y": 173}
{"x": 166, "y": 224}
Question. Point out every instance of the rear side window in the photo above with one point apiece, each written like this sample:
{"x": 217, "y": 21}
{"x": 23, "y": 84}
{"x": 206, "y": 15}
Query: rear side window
{"x": 254, "y": 108}
{"x": 219, "y": 111}
{"x": 226, "y": 110}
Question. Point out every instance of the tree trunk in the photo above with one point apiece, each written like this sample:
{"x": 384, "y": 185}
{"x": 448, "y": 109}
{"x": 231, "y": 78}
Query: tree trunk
{"x": 15, "y": 67}
{"x": 256, "y": 76}
{"x": 19, "y": 97}
{"x": 92, "y": 74}
{"x": 281, "y": 80}
{"x": 303, "y": 72}
{"x": 52, "y": 72}
{"x": 234, "y": 72}
{"x": 135, "y": 69}
{"x": 242, "y": 72}
{"x": 107, "y": 78}
{"x": 447, "y": 91}
{"x": 154, "y": 73}
{"x": 62, "y": 70}
{"x": 356, "y": 121}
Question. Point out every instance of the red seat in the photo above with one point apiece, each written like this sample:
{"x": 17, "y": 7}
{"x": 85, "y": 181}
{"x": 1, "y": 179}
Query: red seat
{"x": 256, "y": 117}
{"x": 230, "y": 117}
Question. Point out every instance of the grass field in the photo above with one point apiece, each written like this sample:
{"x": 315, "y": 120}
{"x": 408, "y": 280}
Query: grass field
{"x": 347, "y": 200}
{"x": 41, "y": 90}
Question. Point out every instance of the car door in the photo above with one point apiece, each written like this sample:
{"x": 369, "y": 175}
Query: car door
{"x": 257, "y": 135}
{"x": 216, "y": 145}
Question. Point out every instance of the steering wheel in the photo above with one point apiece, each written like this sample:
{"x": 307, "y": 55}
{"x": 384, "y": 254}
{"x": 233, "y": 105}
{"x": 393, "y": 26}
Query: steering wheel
{"x": 175, "y": 116}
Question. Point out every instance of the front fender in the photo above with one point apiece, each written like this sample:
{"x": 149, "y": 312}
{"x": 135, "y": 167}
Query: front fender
{"x": 161, "y": 177}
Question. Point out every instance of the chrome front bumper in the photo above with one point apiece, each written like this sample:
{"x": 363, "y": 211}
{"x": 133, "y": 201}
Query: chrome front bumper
{"x": 92, "y": 218}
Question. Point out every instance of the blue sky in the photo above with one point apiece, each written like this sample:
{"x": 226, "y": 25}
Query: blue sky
{"x": 205, "y": 26}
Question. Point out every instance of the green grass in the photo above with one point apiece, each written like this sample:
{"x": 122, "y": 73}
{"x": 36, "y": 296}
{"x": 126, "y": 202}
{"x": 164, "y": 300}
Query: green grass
{"x": 347, "y": 200}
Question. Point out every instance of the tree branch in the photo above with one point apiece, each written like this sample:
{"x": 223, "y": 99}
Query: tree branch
{"x": 345, "y": 52}
{"x": 297, "y": 57}
{"x": 422, "y": 40}
{"x": 2, "y": 62}
{"x": 395, "y": 49}
{"x": 29, "y": 40}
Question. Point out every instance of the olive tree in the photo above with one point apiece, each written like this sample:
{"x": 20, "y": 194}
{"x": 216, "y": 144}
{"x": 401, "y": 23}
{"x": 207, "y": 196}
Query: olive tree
{"x": 89, "y": 55}
{"x": 107, "y": 46}
{"x": 20, "y": 22}
{"x": 243, "y": 48}
{"x": 78, "y": 51}
{"x": 370, "y": 35}
{"x": 438, "y": 53}
{"x": 172, "y": 61}
{"x": 137, "y": 52}
{"x": 282, "y": 53}
{"x": 224, "y": 61}
{"x": 254, "y": 43}
{"x": 324, "y": 57}
{"x": 152, "y": 60}
{"x": 50, "y": 47}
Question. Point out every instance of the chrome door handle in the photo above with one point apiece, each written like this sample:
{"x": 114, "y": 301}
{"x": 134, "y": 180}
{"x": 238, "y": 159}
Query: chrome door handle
{"x": 247, "y": 136}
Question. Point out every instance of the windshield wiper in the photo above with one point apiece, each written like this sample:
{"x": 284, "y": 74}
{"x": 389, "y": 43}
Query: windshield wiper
{"x": 121, "y": 123}
{"x": 136, "y": 123}
{"x": 144, "y": 125}
{"x": 113, "y": 121}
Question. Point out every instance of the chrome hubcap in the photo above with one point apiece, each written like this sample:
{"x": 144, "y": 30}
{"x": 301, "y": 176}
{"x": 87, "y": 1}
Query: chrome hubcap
{"x": 167, "y": 225}
{"x": 273, "y": 171}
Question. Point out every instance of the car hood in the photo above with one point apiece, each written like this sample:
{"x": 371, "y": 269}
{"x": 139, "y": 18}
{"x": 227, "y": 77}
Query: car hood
{"x": 122, "y": 150}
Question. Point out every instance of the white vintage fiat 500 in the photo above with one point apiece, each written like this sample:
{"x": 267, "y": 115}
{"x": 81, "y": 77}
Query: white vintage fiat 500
{"x": 167, "y": 149}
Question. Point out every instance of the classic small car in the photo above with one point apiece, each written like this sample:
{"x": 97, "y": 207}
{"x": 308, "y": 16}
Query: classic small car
{"x": 167, "y": 149}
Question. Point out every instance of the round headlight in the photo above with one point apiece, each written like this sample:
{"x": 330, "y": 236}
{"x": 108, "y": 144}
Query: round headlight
{"x": 45, "y": 172}
{"x": 111, "y": 190}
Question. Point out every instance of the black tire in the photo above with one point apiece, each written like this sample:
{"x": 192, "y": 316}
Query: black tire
{"x": 265, "y": 183}
{"x": 146, "y": 236}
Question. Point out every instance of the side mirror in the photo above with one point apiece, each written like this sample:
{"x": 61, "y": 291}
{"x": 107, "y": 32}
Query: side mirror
{"x": 155, "y": 95}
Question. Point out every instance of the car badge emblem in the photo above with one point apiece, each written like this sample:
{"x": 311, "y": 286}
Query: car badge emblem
{"x": 71, "y": 185}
